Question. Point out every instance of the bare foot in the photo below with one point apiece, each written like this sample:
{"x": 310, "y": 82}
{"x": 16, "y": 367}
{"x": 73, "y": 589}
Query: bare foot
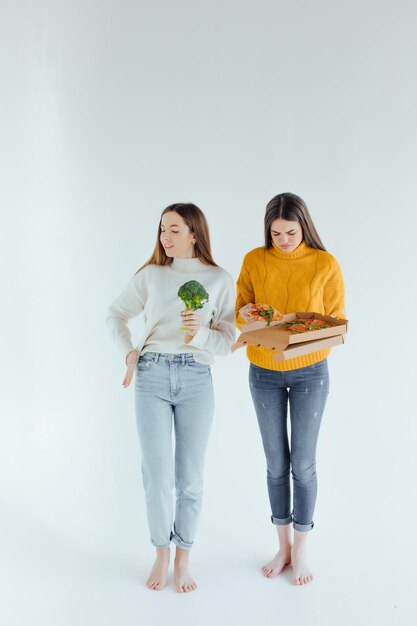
{"x": 158, "y": 576}
{"x": 183, "y": 581}
{"x": 301, "y": 572}
{"x": 280, "y": 560}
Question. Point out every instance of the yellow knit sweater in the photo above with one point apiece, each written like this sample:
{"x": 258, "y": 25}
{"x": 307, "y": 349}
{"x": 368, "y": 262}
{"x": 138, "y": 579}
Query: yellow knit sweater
{"x": 303, "y": 280}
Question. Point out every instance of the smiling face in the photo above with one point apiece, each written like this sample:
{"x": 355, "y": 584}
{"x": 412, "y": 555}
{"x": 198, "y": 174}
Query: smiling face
{"x": 286, "y": 235}
{"x": 176, "y": 237}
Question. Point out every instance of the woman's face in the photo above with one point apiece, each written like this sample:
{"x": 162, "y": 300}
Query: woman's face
{"x": 286, "y": 235}
{"x": 176, "y": 236}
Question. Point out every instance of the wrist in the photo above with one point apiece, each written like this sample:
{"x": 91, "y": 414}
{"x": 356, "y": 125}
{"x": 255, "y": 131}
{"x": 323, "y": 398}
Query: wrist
{"x": 127, "y": 355}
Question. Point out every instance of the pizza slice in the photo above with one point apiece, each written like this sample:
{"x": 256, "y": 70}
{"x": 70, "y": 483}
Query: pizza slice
{"x": 265, "y": 313}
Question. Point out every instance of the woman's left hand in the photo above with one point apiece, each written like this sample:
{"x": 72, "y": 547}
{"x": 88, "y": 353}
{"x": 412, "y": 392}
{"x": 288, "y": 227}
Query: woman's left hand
{"x": 191, "y": 321}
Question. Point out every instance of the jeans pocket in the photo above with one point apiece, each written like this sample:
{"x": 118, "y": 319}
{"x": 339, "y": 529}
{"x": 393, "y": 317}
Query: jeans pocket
{"x": 319, "y": 365}
{"x": 195, "y": 365}
{"x": 145, "y": 363}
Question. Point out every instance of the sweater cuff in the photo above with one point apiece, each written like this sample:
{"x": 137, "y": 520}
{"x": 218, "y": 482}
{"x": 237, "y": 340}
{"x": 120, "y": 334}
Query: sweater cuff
{"x": 126, "y": 346}
{"x": 239, "y": 322}
{"x": 200, "y": 338}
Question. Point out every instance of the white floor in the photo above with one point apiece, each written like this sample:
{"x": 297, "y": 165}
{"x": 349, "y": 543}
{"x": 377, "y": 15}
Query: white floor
{"x": 74, "y": 548}
{"x": 53, "y": 579}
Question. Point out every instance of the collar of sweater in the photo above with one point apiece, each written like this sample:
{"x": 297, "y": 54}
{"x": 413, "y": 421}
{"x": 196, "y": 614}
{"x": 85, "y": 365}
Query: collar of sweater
{"x": 188, "y": 266}
{"x": 301, "y": 250}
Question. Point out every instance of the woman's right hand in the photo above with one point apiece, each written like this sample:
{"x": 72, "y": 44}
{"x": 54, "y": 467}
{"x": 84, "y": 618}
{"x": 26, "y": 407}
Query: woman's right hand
{"x": 245, "y": 312}
{"x": 131, "y": 360}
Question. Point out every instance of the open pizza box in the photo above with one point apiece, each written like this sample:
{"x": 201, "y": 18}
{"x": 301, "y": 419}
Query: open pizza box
{"x": 288, "y": 345}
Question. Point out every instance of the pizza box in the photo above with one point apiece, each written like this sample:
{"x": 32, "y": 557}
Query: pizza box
{"x": 340, "y": 327}
{"x": 276, "y": 337}
{"x": 298, "y": 349}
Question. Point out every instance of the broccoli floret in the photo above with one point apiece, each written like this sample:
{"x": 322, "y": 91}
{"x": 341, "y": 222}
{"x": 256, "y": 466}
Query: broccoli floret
{"x": 193, "y": 295}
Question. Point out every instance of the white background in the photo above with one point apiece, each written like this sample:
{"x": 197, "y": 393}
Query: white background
{"x": 110, "y": 111}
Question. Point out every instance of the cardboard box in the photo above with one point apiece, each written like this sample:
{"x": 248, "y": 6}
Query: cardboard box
{"x": 287, "y": 345}
{"x": 298, "y": 349}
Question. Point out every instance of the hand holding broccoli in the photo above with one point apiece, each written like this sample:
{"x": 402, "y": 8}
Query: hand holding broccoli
{"x": 192, "y": 323}
{"x": 194, "y": 296}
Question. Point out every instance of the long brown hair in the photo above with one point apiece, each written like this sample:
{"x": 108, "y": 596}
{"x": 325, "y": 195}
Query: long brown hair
{"x": 288, "y": 206}
{"x": 197, "y": 223}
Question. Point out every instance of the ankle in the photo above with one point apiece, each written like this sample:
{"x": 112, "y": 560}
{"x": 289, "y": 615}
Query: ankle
{"x": 181, "y": 557}
{"x": 298, "y": 548}
{"x": 163, "y": 553}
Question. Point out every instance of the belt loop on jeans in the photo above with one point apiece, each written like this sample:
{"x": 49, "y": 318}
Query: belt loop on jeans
{"x": 182, "y": 358}
{"x": 156, "y": 357}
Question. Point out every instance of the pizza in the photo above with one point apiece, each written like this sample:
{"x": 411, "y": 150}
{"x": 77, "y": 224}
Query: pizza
{"x": 265, "y": 313}
{"x": 302, "y": 325}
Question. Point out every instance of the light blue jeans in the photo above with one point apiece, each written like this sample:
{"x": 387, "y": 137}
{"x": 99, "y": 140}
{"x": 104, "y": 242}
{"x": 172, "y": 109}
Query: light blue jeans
{"x": 173, "y": 390}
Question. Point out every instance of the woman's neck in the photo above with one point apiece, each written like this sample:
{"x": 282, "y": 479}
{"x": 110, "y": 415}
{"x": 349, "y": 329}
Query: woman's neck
{"x": 188, "y": 266}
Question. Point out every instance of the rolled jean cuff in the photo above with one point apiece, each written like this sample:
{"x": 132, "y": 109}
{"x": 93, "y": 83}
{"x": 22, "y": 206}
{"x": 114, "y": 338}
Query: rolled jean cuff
{"x": 281, "y": 522}
{"x": 164, "y": 545}
{"x": 176, "y": 539}
{"x": 303, "y": 527}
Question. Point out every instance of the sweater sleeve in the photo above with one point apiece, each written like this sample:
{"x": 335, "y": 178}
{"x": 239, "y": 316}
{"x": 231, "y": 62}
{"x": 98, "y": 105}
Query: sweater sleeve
{"x": 219, "y": 337}
{"x": 334, "y": 293}
{"x": 127, "y": 305}
{"x": 245, "y": 292}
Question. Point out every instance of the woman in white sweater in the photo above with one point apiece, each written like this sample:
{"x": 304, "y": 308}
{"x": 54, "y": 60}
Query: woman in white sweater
{"x": 173, "y": 383}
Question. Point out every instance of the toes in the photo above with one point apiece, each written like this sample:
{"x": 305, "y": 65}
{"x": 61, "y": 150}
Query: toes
{"x": 188, "y": 587}
{"x": 303, "y": 580}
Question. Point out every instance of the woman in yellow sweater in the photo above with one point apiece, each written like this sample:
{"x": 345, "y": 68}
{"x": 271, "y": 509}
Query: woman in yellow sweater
{"x": 291, "y": 272}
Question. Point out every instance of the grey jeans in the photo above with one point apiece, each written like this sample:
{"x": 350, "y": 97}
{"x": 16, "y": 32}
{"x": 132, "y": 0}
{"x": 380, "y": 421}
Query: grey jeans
{"x": 173, "y": 391}
{"x": 305, "y": 390}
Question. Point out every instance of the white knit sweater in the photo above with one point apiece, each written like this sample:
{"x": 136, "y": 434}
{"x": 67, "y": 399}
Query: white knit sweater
{"x": 154, "y": 290}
